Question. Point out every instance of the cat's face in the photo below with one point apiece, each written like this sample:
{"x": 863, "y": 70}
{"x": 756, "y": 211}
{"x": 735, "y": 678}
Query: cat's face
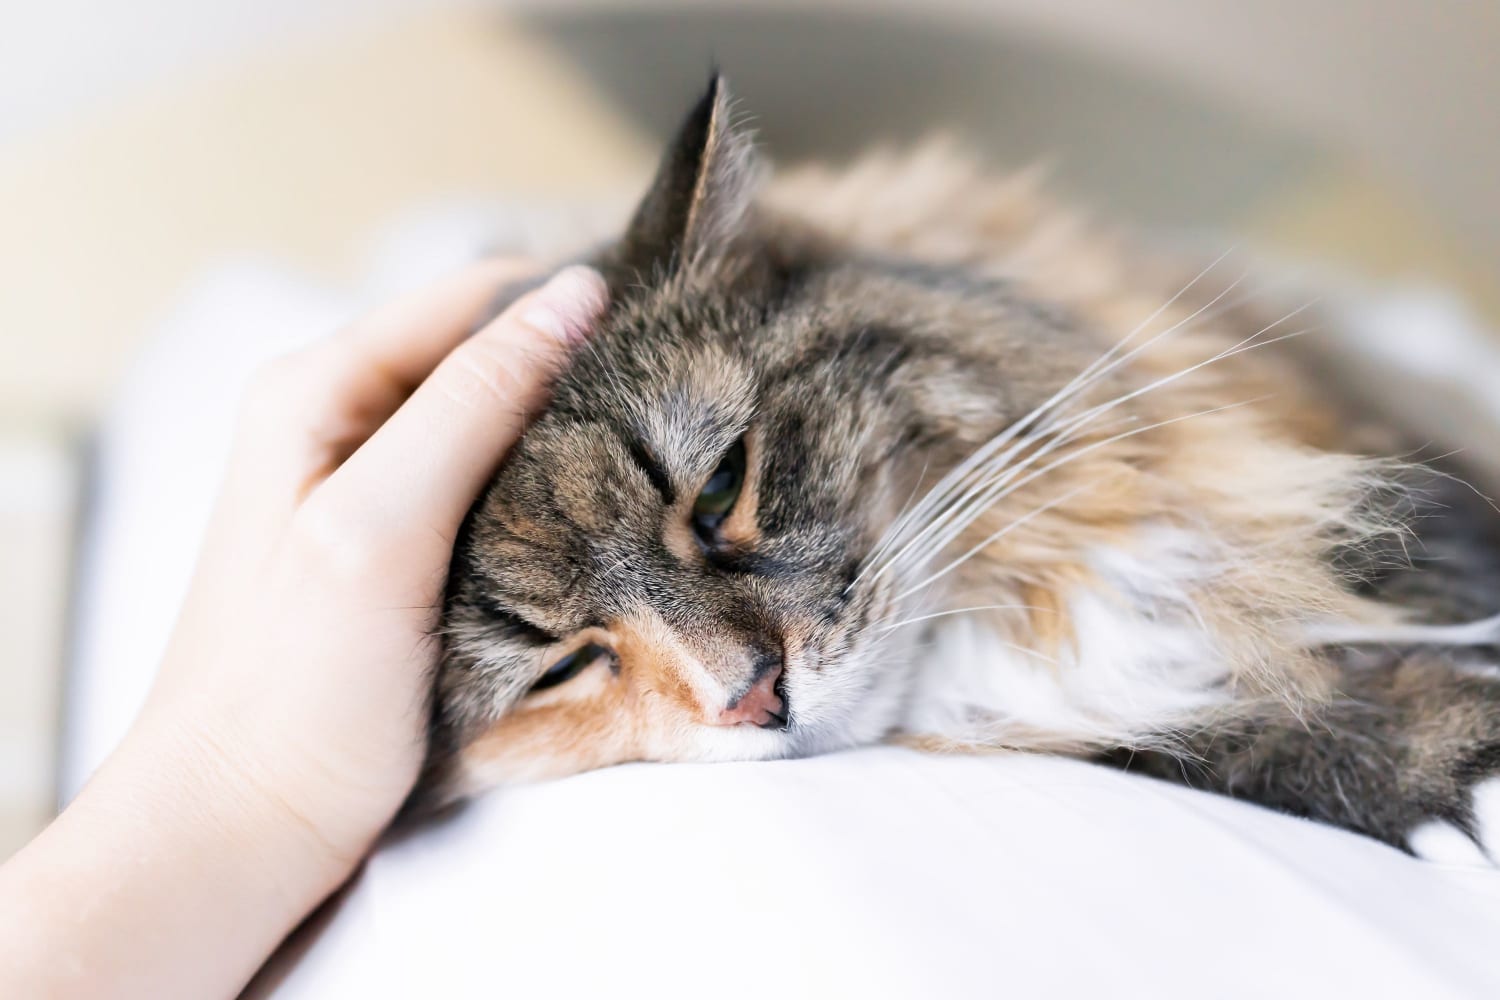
{"x": 674, "y": 563}
{"x": 666, "y": 567}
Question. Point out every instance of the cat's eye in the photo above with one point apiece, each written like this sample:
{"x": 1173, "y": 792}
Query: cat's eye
{"x": 569, "y": 667}
{"x": 721, "y": 491}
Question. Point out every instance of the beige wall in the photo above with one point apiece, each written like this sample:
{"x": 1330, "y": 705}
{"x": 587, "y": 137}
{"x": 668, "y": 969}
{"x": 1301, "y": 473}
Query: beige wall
{"x": 305, "y": 122}
{"x": 1411, "y": 85}
{"x": 293, "y": 154}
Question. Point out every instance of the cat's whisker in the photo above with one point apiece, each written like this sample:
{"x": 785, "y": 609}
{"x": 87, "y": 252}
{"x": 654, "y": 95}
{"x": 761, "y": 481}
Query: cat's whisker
{"x": 1304, "y": 331}
{"x": 883, "y": 636}
{"x": 1002, "y": 467}
{"x": 1156, "y": 338}
{"x": 1103, "y": 365}
{"x": 1113, "y": 439}
{"x": 971, "y": 467}
{"x": 981, "y": 465}
{"x": 1247, "y": 344}
{"x": 996, "y": 536}
{"x": 987, "y": 478}
{"x": 1136, "y": 330}
{"x": 983, "y": 496}
{"x": 1082, "y": 419}
{"x": 887, "y": 626}
{"x": 954, "y": 506}
{"x": 1189, "y": 319}
{"x": 1245, "y": 297}
{"x": 963, "y": 509}
{"x": 879, "y": 549}
{"x": 954, "y": 480}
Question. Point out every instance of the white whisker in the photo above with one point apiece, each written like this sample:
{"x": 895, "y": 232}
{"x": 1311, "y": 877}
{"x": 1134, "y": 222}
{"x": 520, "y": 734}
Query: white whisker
{"x": 885, "y": 540}
{"x": 981, "y": 457}
{"x": 959, "y": 611}
{"x": 1072, "y": 456}
{"x": 983, "y": 496}
{"x": 1239, "y": 348}
{"x": 996, "y": 536}
{"x": 951, "y": 482}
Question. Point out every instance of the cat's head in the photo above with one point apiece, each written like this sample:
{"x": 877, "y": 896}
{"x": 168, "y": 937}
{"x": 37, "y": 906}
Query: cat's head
{"x": 674, "y": 563}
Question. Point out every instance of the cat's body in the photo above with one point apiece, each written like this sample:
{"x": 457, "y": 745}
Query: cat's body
{"x": 904, "y": 452}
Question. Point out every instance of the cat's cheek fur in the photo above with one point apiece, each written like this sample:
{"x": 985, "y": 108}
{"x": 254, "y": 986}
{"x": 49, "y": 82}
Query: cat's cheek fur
{"x": 547, "y": 742}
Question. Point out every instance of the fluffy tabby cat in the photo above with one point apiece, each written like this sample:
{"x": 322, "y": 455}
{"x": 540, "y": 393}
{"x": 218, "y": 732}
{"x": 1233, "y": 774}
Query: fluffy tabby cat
{"x": 902, "y": 452}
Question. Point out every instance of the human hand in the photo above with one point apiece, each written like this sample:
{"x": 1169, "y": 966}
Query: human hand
{"x": 288, "y": 719}
{"x": 303, "y": 654}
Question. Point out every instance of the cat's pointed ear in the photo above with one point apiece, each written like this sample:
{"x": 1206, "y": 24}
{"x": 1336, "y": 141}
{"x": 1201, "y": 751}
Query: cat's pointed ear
{"x": 700, "y": 197}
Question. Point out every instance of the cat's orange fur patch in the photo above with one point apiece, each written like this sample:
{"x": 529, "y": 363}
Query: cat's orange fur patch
{"x": 550, "y": 740}
{"x": 651, "y": 666}
{"x": 614, "y": 717}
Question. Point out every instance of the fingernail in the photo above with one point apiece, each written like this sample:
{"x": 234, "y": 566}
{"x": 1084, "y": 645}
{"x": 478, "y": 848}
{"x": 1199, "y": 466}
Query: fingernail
{"x": 567, "y": 305}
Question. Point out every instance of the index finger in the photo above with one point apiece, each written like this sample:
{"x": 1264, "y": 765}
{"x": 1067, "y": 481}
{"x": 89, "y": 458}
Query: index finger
{"x": 427, "y": 463}
{"x": 407, "y": 338}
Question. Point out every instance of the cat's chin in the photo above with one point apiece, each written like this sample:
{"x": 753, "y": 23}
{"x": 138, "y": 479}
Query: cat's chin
{"x": 748, "y": 743}
{"x": 723, "y": 743}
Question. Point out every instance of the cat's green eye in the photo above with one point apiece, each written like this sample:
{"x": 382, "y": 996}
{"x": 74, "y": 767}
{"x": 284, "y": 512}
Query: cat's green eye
{"x": 568, "y": 667}
{"x": 722, "y": 489}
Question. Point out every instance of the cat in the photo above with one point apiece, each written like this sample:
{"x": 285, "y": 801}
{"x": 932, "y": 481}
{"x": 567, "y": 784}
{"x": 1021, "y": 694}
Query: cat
{"x": 903, "y": 452}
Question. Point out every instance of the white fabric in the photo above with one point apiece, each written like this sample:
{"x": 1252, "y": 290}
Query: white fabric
{"x": 887, "y": 873}
{"x": 880, "y": 873}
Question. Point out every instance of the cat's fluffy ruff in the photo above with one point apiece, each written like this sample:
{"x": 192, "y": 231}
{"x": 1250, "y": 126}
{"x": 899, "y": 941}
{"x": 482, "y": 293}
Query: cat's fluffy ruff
{"x": 1156, "y": 513}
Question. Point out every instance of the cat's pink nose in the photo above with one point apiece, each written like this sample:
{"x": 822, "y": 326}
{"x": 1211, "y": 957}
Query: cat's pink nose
{"x": 760, "y": 705}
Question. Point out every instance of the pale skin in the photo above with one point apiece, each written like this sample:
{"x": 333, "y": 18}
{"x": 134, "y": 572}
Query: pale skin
{"x": 287, "y": 721}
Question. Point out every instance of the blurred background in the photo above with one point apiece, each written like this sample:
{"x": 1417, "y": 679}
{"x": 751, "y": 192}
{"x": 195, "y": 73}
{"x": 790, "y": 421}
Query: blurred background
{"x": 165, "y": 161}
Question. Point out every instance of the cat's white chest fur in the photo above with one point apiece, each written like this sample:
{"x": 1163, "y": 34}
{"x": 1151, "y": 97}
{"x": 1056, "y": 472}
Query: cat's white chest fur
{"x": 1140, "y": 658}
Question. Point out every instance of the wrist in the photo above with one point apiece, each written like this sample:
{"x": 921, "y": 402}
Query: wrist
{"x": 188, "y": 874}
{"x": 250, "y": 803}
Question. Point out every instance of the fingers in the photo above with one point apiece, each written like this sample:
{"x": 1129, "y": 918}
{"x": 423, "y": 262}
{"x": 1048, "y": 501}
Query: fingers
{"x": 424, "y": 467}
{"x": 406, "y": 339}
{"x": 308, "y": 411}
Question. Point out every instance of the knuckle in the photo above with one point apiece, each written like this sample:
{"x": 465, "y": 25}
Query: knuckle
{"x": 480, "y": 375}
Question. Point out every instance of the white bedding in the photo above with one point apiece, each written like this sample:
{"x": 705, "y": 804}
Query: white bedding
{"x": 885, "y": 872}
{"x": 871, "y": 874}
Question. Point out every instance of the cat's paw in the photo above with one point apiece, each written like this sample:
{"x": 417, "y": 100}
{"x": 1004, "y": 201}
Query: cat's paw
{"x": 1447, "y": 843}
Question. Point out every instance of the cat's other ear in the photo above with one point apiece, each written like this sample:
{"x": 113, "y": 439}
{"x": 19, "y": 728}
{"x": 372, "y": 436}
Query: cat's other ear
{"x": 700, "y": 197}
